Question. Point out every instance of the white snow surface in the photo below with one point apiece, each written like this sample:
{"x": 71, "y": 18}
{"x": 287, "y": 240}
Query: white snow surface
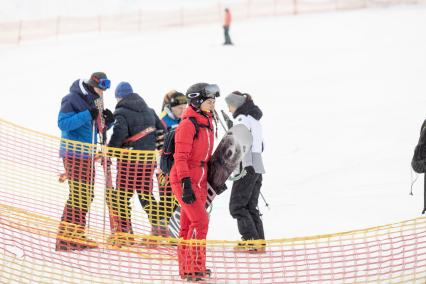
{"x": 343, "y": 96}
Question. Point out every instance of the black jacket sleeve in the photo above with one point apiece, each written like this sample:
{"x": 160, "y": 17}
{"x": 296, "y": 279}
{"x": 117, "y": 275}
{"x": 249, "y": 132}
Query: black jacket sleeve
{"x": 120, "y": 132}
{"x": 158, "y": 123}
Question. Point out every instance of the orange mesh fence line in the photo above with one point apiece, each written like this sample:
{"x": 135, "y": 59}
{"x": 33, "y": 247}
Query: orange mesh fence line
{"x": 78, "y": 213}
{"x": 139, "y": 20}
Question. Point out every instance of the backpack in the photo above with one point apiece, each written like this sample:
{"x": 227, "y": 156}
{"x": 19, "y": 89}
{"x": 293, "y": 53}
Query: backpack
{"x": 167, "y": 160}
{"x": 418, "y": 163}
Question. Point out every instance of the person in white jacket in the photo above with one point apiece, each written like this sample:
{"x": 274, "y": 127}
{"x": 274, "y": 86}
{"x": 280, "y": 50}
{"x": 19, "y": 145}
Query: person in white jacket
{"x": 245, "y": 193}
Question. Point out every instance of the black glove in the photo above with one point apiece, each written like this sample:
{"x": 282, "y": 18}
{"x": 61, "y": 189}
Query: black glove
{"x": 94, "y": 112}
{"x": 188, "y": 195}
{"x": 108, "y": 116}
{"x": 221, "y": 189}
{"x": 250, "y": 170}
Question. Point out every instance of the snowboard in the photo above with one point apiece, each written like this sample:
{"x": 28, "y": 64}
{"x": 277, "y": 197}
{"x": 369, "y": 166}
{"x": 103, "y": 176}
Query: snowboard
{"x": 231, "y": 150}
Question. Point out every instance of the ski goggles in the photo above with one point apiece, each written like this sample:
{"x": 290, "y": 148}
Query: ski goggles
{"x": 180, "y": 100}
{"x": 104, "y": 84}
{"x": 209, "y": 92}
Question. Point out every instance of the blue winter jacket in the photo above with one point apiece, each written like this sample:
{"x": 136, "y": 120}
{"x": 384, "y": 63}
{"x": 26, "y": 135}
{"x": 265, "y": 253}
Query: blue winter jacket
{"x": 168, "y": 119}
{"x": 74, "y": 119}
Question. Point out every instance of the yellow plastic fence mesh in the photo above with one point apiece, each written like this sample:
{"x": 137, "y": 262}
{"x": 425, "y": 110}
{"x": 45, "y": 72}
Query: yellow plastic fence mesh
{"x": 71, "y": 215}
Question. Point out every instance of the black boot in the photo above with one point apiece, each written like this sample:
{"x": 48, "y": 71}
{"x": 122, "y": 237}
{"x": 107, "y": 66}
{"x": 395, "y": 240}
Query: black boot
{"x": 197, "y": 276}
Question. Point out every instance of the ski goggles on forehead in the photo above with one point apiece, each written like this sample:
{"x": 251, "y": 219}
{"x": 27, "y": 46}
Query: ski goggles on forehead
{"x": 104, "y": 84}
{"x": 181, "y": 100}
{"x": 209, "y": 92}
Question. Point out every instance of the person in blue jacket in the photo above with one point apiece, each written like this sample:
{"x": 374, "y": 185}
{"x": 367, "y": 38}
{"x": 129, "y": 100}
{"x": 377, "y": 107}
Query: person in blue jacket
{"x": 173, "y": 106}
{"x": 79, "y": 120}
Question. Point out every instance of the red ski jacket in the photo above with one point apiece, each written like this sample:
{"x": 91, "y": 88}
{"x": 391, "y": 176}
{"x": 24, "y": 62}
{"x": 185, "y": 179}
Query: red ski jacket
{"x": 192, "y": 154}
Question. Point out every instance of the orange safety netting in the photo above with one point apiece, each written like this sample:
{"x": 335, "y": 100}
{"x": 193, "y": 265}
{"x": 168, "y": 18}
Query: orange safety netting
{"x": 143, "y": 20}
{"x": 101, "y": 216}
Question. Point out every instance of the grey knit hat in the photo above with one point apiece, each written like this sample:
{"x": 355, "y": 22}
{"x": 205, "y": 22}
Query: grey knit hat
{"x": 235, "y": 99}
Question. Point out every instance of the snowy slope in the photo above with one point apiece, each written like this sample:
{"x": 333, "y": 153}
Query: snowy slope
{"x": 343, "y": 96}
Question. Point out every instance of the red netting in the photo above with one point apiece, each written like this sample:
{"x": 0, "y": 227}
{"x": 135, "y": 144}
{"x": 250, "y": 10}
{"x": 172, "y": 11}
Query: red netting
{"x": 107, "y": 222}
{"x": 142, "y": 20}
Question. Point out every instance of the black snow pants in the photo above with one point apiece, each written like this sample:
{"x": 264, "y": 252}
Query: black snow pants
{"x": 243, "y": 206}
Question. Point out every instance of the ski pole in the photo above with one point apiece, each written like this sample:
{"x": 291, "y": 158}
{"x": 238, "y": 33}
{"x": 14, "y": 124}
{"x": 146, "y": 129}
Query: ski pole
{"x": 220, "y": 120}
{"x": 228, "y": 121}
{"x": 264, "y": 200}
{"x": 92, "y": 171}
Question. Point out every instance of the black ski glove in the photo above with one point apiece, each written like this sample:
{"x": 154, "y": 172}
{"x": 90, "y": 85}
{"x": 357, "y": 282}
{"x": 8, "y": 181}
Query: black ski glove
{"x": 250, "y": 170}
{"x": 188, "y": 195}
{"x": 108, "y": 116}
{"x": 94, "y": 112}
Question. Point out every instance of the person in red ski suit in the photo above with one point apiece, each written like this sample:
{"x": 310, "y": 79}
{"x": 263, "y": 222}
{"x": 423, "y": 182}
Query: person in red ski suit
{"x": 189, "y": 178}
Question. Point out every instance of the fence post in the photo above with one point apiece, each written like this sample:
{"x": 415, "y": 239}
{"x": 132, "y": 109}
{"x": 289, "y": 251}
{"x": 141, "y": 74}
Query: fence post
{"x": 248, "y": 9}
{"x": 20, "y": 31}
{"x": 139, "y": 20}
{"x": 219, "y": 10}
{"x": 275, "y": 7}
{"x": 58, "y": 24}
{"x": 99, "y": 23}
{"x": 181, "y": 16}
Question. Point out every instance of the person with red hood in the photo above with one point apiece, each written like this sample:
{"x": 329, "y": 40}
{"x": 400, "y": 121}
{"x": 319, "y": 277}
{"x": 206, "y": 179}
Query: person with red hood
{"x": 188, "y": 176}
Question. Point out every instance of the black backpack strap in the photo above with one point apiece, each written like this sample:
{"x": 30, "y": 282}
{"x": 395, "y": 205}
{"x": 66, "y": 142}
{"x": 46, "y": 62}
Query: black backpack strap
{"x": 196, "y": 125}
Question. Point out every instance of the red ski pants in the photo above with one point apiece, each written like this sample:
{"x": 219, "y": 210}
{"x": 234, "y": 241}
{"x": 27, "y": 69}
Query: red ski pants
{"x": 194, "y": 223}
{"x": 132, "y": 176}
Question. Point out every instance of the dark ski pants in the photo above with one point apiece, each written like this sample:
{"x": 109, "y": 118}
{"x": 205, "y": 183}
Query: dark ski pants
{"x": 132, "y": 176}
{"x": 424, "y": 200}
{"x": 243, "y": 206}
{"x": 226, "y": 34}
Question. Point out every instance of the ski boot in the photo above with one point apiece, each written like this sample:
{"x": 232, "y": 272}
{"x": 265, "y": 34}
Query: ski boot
{"x": 197, "y": 276}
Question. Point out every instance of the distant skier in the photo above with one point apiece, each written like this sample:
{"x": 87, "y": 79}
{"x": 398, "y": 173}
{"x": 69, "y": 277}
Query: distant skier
{"x": 227, "y": 26}
{"x": 132, "y": 115}
{"x": 77, "y": 119}
{"x": 245, "y": 192}
{"x": 189, "y": 177}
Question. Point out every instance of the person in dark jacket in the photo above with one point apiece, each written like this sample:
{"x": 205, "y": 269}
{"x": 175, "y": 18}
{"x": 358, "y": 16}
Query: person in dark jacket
{"x": 245, "y": 192}
{"x": 189, "y": 178}
{"x": 132, "y": 115}
{"x": 77, "y": 121}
